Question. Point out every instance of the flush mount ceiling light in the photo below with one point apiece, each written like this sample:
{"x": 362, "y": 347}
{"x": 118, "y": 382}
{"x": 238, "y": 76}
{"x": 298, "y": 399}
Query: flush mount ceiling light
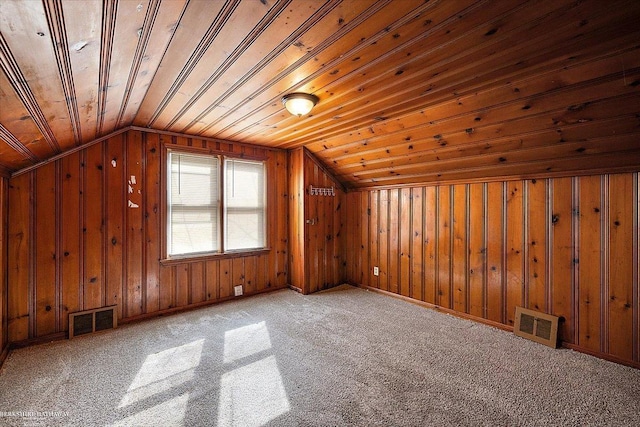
{"x": 298, "y": 103}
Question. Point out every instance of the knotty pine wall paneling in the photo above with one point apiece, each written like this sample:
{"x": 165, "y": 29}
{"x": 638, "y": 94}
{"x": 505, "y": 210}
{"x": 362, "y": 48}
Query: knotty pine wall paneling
{"x": 20, "y": 258}
{"x": 4, "y": 211}
{"x": 296, "y": 208}
{"x": 565, "y": 246}
{"x": 87, "y": 230}
{"x": 317, "y": 240}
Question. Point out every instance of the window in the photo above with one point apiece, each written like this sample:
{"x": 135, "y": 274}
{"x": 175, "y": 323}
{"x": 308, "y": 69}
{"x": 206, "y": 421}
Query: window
{"x": 196, "y": 221}
{"x": 244, "y": 205}
{"x": 194, "y": 208}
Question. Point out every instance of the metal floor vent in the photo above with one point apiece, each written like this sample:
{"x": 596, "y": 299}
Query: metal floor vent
{"x": 536, "y": 326}
{"x": 90, "y": 321}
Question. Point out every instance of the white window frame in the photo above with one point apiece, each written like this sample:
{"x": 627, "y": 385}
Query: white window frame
{"x": 262, "y": 204}
{"x": 221, "y": 205}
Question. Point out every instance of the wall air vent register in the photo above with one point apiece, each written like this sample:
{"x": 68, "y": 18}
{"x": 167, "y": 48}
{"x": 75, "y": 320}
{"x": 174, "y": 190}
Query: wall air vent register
{"x": 536, "y": 326}
{"x": 90, "y": 321}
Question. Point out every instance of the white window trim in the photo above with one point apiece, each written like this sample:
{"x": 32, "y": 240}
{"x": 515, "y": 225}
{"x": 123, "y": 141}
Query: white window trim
{"x": 222, "y": 252}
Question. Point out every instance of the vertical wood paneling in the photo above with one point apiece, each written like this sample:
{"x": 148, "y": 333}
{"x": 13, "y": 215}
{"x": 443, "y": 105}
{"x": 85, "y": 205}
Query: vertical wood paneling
{"x": 515, "y": 248}
{"x": 226, "y": 285}
{"x": 4, "y": 216}
{"x": 18, "y": 309}
{"x": 312, "y": 277}
{"x": 71, "y": 236}
{"x": 355, "y": 236}
{"x": 636, "y": 270}
{"x": 620, "y": 298}
{"x": 212, "y": 280}
{"x": 495, "y": 251}
{"x": 340, "y": 239}
{"x": 590, "y": 265}
{"x": 280, "y": 233}
{"x": 565, "y": 246}
{"x": 87, "y": 230}
{"x": 537, "y": 245}
{"x": 562, "y": 254}
{"x": 182, "y": 286}
{"x": 365, "y": 233}
{"x": 405, "y": 230}
{"x": 297, "y": 219}
{"x": 430, "y": 227}
{"x": 353, "y": 199}
{"x": 444, "y": 247}
{"x": 237, "y": 273}
{"x": 262, "y": 273}
{"x": 317, "y": 243}
{"x": 374, "y": 238}
{"x": 45, "y": 250}
{"x": 636, "y": 263}
{"x": 383, "y": 239}
{"x": 152, "y": 226}
{"x": 116, "y": 202}
{"x": 477, "y": 250}
{"x": 134, "y": 213}
{"x": 274, "y": 240}
{"x": 330, "y": 228}
{"x": 92, "y": 230}
{"x": 459, "y": 250}
{"x": 416, "y": 244}
{"x": 250, "y": 274}
{"x": 196, "y": 283}
{"x": 393, "y": 242}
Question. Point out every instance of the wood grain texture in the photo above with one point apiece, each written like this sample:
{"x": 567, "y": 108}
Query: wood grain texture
{"x": 477, "y": 250}
{"x": 4, "y": 218}
{"x": 74, "y": 242}
{"x": 317, "y": 241}
{"x": 620, "y": 297}
{"x": 591, "y": 260}
{"x": 562, "y": 253}
{"x": 416, "y": 246}
{"x": 563, "y": 246}
{"x": 430, "y": 238}
{"x": 515, "y": 249}
{"x": 46, "y": 264}
{"x": 19, "y": 310}
{"x": 411, "y": 92}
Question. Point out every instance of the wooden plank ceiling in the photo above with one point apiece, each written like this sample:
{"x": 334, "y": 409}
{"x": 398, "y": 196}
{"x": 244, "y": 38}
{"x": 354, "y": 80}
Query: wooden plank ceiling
{"x": 410, "y": 91}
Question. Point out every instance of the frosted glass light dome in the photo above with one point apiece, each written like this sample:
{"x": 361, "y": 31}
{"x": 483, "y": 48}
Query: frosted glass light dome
{"x": 298, "y": 103}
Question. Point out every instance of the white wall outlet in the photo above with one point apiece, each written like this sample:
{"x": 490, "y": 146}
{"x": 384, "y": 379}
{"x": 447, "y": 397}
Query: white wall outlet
{"x": 376, "y": 271}
{"x": 237, "y": 290}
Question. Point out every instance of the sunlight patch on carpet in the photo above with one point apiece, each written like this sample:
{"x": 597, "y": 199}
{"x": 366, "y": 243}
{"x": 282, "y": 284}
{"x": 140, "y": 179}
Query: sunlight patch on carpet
{"x": 171, "y": 412}
{"x": 164, "y": 370}
{"x": 246, "y": 341}
{"x": 252, "y": 395}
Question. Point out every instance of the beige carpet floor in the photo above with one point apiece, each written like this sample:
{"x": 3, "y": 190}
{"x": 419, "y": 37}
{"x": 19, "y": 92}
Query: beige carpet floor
{"x": 341, "y": 357}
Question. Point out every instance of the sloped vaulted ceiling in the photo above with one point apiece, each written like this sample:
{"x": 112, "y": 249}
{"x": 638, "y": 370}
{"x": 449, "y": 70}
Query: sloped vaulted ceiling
{"x": 410, "y": 91}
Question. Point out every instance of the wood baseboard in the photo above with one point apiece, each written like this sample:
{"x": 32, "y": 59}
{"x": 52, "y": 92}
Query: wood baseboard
{"x": 438, "y": 308}
{"x": 295, "y": 288}
{"x": 170, "y": 311}
{"x": 56, "y": 336}
{"x": 600, "y": 355}
{"x": 498, "y": 325}
{"x": 176, "y": 310}
{"x": 3, "y": 355}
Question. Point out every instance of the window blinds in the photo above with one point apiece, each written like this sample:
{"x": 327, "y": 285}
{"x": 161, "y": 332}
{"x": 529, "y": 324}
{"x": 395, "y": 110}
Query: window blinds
{"x": 244, "y": 205}
{"x": 193, "y": 204}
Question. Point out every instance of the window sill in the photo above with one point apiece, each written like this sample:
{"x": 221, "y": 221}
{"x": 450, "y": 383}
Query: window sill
{"x": 187, "y": 259}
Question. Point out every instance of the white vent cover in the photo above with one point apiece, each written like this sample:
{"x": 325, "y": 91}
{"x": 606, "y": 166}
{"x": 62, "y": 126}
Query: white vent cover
{"x": 90, "y": 321}
{"x": 536, "y": 326}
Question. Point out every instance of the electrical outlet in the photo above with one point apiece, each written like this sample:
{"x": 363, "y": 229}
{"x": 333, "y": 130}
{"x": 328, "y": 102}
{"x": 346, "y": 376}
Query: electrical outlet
{"x": 376, "y": 271}
{"x": 237, "y": 290}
